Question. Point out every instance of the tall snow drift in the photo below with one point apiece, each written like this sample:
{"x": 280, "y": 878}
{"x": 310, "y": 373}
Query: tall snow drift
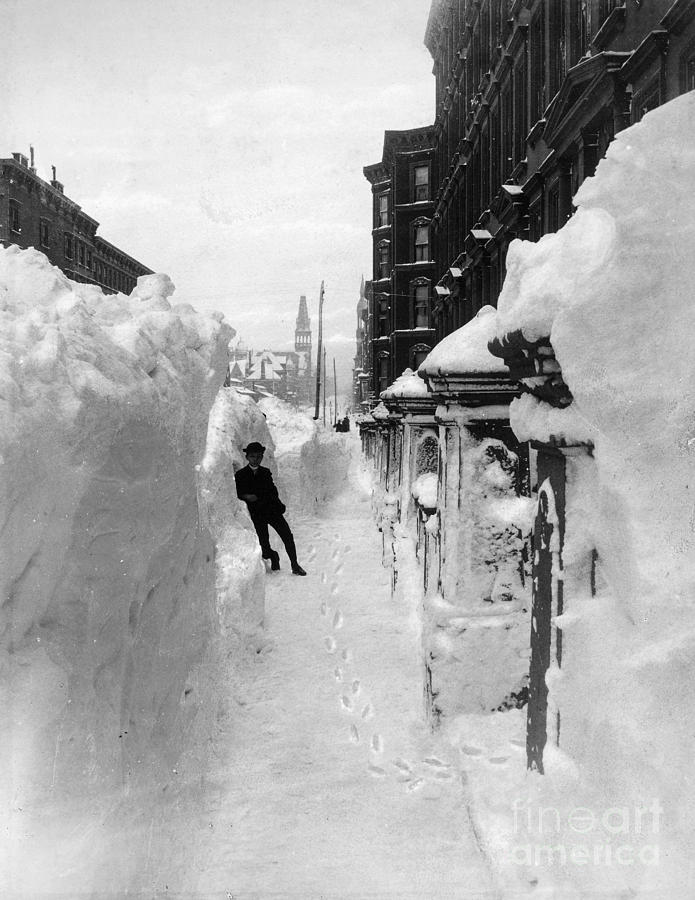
{"x": 108, "y": 600}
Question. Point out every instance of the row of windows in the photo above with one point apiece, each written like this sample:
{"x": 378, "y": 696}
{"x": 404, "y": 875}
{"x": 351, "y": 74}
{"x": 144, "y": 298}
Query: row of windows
{"x": 421, "y": 249}
{"x": 75, "y": 251}
{"x": 420, "y": 191}
{"x": 419, "y": 316}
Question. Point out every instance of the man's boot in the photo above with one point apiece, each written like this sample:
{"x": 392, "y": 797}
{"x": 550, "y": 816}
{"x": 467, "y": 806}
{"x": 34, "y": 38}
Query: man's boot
{"x": 297, "y": 569}
{"x": 275, "y": 561}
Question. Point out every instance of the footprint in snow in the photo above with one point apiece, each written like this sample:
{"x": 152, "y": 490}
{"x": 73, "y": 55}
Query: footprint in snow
{"x": 471, "y": 751}
{"x": 415, "y": 785}
{"x": 338, "y": 673}
{"x": 330, "y": 644}
{"x": 324, "y": 578}
{"x": 338, "y": 619}
{"x": 346, "y": 655}
{"x": 376, "y": 743}
{"x": 436, "y": 763}
{"x": 334, "y": 588}
{"x": 324, "y": 608}
{"x": 444, "y": 775}
{"x": 339, "y": 569}
{"x": 402, "y": 766}
{"x": 376, "y": 771}
{"x": 498, "y": 760}
{"x": 335, "y": 554}
{"x": 347, "y": 548}
{"x": 368, "y": 712}
{"x": 356, "y": 686}
{"x": 354, "y": 734}
{"x": 346, "y": 703}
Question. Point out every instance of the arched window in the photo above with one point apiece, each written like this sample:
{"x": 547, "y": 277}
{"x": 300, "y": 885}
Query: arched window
{"x": 418, "y": 354}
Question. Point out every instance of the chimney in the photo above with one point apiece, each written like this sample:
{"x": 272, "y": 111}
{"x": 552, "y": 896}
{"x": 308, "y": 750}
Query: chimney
{"x": 55, "y": 183}
{"x": 31, "y": 157}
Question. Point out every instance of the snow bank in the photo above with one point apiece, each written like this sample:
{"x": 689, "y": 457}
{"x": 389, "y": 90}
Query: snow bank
{"x": 108, "y": 577}
{"x": 613, "y": 291}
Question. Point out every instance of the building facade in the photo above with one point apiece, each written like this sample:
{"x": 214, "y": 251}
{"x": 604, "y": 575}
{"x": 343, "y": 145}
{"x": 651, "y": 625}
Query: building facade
{"x": 529, "y": 94}
{"x": 403, "y": 280}
{"x": 36, "y": 213}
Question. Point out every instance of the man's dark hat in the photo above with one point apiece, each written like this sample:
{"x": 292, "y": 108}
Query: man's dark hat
{"x": 254, "y": 447}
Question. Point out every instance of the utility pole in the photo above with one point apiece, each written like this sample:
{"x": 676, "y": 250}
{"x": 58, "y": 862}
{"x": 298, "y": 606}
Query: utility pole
{"x": 335, "y": 393}
{"x": 324, "y": 386}
{"x": 318, "y": 357}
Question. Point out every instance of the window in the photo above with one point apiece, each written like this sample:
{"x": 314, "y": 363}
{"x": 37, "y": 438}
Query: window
{"x": 690, "y": 74}
{"x": 383, "y": 372}
{"x": 422, "y": 243}
{"x": 67, "y": 246}
{"x": 419, "y": 354}
{"x": 422, "y": 183}
{"x": 43, "y": 233}
{"x": 422, "y": 301}
{"x": 383, "y": 210}
{"x": 89, "y": 259}
{"x": 81, "y": 254}
{"x": 15, "y": 223}
{"x": 537, "y": 50}
{"x": 383, "y": 316}
{"x": 383, "y": 259}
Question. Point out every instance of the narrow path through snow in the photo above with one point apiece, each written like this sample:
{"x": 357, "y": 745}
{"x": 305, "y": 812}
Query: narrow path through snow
{"x": 334, "y": 787}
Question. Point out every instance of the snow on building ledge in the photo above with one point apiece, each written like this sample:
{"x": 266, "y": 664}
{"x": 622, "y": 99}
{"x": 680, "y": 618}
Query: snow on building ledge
{"x": 462, "y": 366}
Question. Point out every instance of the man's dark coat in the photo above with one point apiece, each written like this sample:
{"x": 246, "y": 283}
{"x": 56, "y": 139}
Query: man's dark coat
{"x": 268, "y": 505}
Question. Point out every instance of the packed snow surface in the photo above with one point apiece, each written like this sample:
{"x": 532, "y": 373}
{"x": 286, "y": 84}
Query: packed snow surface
{"x": 465, "y": 350}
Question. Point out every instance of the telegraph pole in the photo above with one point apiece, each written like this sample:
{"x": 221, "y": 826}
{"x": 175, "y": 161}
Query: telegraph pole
{"x": 318, "y": 356}
{"x": 324, "y": 385}
{"x": 335, "y": 393}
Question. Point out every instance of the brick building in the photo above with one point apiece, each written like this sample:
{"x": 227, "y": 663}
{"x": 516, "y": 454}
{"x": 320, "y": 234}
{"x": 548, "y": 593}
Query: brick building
{"x": 529, "y": 93}
{"x": 36, "y": 213}
{"x": 402, "y": 285}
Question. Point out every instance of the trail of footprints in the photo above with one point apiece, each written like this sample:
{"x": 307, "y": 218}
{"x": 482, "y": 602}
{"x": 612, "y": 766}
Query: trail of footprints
{"x": 431, "y": 767}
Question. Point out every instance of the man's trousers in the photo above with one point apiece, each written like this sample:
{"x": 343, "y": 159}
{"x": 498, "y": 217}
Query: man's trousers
{"x": 279, "y": 523}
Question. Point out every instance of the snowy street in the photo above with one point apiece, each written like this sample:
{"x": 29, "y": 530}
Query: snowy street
{"x": 332, "y": 785}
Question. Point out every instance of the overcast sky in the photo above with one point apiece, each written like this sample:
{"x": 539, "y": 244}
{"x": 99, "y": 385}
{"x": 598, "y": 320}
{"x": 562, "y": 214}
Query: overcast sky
{"x": 222, "y": 141}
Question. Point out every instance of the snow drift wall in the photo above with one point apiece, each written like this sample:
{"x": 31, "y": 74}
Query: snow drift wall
{"x": 613, "y": 291}
{"x": 108, "y": 575}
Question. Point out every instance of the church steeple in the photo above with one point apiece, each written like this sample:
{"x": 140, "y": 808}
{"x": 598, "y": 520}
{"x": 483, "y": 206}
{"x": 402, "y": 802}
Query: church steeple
{"x": 302, "y": 333}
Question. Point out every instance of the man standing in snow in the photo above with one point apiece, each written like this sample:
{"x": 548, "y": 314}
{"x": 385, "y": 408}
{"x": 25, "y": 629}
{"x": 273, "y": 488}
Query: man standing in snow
{"x": 255, "y": 486}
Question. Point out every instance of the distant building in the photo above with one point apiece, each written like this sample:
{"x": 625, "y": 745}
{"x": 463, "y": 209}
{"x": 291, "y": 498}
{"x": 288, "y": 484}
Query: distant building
{"x": 282, "y": 373}
{"x": 403, "y": 281}
{"x": 36, "y": 213}
{"x": 361, "y": 374}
